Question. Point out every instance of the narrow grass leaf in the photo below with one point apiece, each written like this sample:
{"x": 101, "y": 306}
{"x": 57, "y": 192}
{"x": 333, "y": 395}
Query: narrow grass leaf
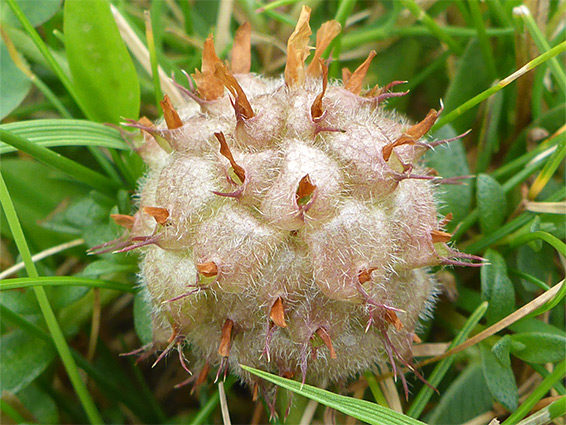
{"x": 64, "y": 132}
{"x": 557, "y": 374}
{"x": 549, "y": 168}
{"x": 440, "y": 370}
{"x": 48, "y": 314}
{"x": 454, "y": 114}
{"x": 49, "y": 157}
{"x": 363, "y": 410}
{"x": 103, "y": 73}
{"x": 59, "y": 281}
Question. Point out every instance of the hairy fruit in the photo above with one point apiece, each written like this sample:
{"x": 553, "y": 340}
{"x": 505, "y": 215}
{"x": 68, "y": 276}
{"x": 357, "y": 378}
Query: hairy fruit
{"x": 286, "y": 224}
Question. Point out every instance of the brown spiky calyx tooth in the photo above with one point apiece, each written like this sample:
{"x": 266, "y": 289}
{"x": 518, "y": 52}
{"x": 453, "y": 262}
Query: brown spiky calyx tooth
{"x": 438, "y": 236}
{"x": 277, "y": 313}
{"x": 365, "y": 275}
{"x": 323, "y": 334}
{"x": 225, "y": 341}
{"x": 242, "y": 105}
{"x": 209, "y": 87}
{"x": 305, "y": 190}
{"x": 225, "y": 151}
{"x": 170, "y": 114}
{"x": 241, "y": 50}
{"x": 317, "y": 111}
{"x": 355, "y": 80}
{"x": 298, "y": 50}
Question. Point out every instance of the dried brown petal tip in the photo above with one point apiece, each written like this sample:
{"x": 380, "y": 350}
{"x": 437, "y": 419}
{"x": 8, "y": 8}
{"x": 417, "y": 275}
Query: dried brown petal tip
{"x": 224, "y": 348}
{"x": 255, "y": 391}
{"x": 298, "y": 50}
{"x": 416, "y": 339}
{"x": 242, "y": 104}
{"x": 447, "y": 219}
{"x": 208, "y": 269}
{"x": 321, "y": 332}
{"x": 209, "y": 87}
{"x": 171, "y": 116}
{"x": 418, "y": 130}
{"x": 277, "y": 313}
{"x": 316, "y": 108}
{"x": 123, "y": 220}
{"x": 354, "y": 83}
{"x": 225, "y": 151}
{"x": 241, "y": 50}
{"x": 146, "y": 122}
{"x": 324, "y": 36}
{"x": 346, "y": 75}
{"x": 305, "y": 190}
{"x": 440, "y": 236}
{"x": 391, "y": 317}
{"x": 159, "y": 214}
{"x": 365, "y": 275}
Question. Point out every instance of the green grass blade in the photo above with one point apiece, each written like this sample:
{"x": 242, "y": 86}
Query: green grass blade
{"x": 432, "y": 26}
{"x": 74, "y": 169}
{"x": 63, "y": 132}
{"x": 482, "y": 37}
{"x": 549, "y": 168}
{"x": 28, "y": 282}
{"x": 48, "y": 314}
{"x": 547, "y": 383}
{"x": 363, "y": 410}
{"x": 452, "y": 115}
{"x": 441, "y": 368}
{"x": 44, "y": 50}
{"x": 542, "y": 45}
{"x": 547, "y": 237}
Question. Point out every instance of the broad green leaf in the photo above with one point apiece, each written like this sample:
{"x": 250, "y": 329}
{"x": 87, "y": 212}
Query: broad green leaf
{"x": 450, "y": 161}
{"x": 103, "y": 73}
{"x": 497, "y": 288}
{"x": 363, "y": 410}
{"x": 538, "y": 347}
{"x": 492, "y": 204}
{"x": 104, "y": 267}
{"x": 61, "y": 132}
{"x": 466, "y": 398}
{"x": 40, "y": 404}
{"x": 37, "y": 12}
{"x": 142, "y": 317}
{"x": 24, "y": 358}
{"x": 500, "y": 379}
{"x": 502, "y": 349}
{"x": 471, "y": 79}
{"x": 36, "y": 191}
{"x": 537, "y": 263}
{"x": 14, "y": 85}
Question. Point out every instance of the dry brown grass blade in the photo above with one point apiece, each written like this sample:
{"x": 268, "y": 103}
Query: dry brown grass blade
{"x": 502, "y": 324}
